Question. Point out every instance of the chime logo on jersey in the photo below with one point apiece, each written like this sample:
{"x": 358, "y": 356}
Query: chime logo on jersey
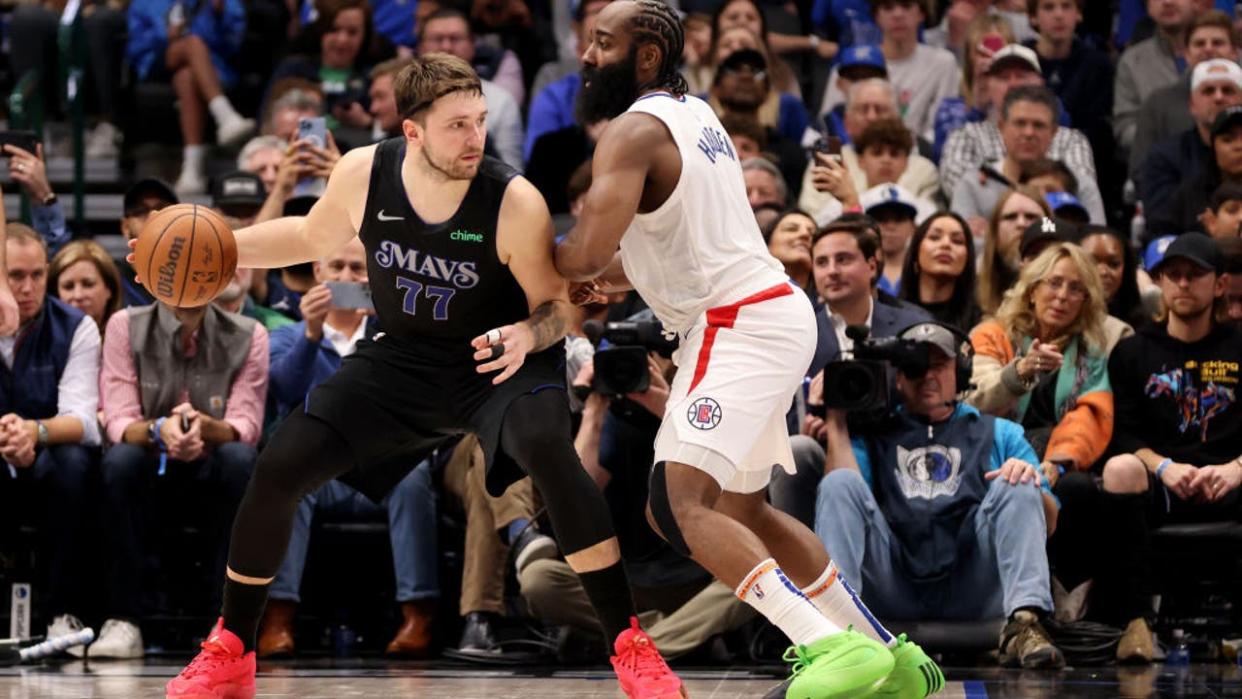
{"x": 704, "y": 414}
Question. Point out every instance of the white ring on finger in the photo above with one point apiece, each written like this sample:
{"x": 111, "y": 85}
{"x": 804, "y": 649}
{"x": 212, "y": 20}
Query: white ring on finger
{"x": 493, "y": 336}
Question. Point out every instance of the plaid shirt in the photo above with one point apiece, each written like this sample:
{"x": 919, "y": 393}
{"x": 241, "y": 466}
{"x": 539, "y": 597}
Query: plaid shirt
{"x": 979, "y": 143}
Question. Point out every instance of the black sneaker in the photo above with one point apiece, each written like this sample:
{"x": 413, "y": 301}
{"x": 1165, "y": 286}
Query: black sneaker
{"x": 532, "y": 545}
{"x": 477, "y": 636}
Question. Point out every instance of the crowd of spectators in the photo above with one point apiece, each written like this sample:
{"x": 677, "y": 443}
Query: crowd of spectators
{"x": 1048, "y": 196}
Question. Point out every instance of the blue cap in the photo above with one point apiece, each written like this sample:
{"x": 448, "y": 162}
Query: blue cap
{"x": 868, "y": 55}
{"x": 1060, "y": 200}
{"x": 1155, "y": 251}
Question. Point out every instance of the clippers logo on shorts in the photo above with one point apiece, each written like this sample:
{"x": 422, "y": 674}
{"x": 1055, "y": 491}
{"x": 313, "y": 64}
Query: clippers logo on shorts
{"x": 929, "y": 472}
{"x": 704, "y": 414}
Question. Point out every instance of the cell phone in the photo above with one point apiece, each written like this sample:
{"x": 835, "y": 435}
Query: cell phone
{"x": 26, "y": 140}
{"x": 351, "y": 295}
{"x": 315, "y": 130}
{"x": 993, "y": 42}
{"x": 829, "y": 146}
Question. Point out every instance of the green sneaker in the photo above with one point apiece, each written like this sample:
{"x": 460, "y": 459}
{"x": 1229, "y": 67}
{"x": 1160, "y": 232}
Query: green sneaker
{"x": 841, "y": 666}
{"x": 914, "y": 675}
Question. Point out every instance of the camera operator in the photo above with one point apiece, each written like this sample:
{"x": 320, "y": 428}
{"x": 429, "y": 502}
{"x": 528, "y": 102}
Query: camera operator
{"x": 680, "y": 605}
{"x": 846, "y": 264}
{"x": 943, "y": 514}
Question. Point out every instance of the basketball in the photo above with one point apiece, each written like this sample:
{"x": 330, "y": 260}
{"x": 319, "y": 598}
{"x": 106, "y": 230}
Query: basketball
{"x": 186, "y": 255}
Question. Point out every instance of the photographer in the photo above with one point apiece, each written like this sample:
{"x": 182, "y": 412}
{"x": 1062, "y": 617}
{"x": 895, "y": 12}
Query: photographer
{"x": 943, "y": 513}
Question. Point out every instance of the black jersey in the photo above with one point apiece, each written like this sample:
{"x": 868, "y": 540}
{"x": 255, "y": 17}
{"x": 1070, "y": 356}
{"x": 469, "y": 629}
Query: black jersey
{"x": 437, "y": 286}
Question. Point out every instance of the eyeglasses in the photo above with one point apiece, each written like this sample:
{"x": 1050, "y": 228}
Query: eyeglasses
{"x": 1074, "y": 290}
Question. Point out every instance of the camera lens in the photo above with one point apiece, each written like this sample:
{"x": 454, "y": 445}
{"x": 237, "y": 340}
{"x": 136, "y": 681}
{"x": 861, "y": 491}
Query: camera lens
{"x": 854, "y": 384}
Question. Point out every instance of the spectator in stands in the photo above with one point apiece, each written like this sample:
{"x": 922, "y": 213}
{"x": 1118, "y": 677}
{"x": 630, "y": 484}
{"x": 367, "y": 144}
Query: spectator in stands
{"x": 238, "y": 196}
{"x": 1077, "y": 72}
{"x": 29, "y": 171}
{"x": 182, "y": 396}
{"x": 341, "y": 44}
{"x": 750, "y": 139}
{"x": 788, "y": 237}
{"x": 1016, "y": 209}
{"x": 870, "y": 102}
{"x": 262, "y": 155}
{"x": 1117, "y": 266}
{"x": 552, "y": 107}
{"x": 681, "y": 605}
{"x": 142, "y": 199}
{"x": 1193, "y": 195}
{"x": 943, "y": 513}
{"x": 781, "y": 111}
{"x": 939, "y": 273}
{"x": 954, "y": 29}
{"x": 764, "y": 183}
{"x": 863, "y": 62}
{"x": 448, "y": 31}
{"x": 1150, "y": 64}
{"x": 975, "y": 145}
{"x": 845, "y": 266}
{"x": 290, "y": 101}
{"x": 193, "y": 52}
{"x": 384, "y": 99}
{"x": 1165, "y": 113}
{"x": 922, "y": 75}
{"x": 48, "y": 432}
{"x": 34, "y": 48}
{"x": 1187, "y": 160}
{"x": 885, "y": 154}
{"x": 1043, "y": 360}
{"x": 975, "y": 101}
{"x": 1223, "y": 217}
{"x": 749, "y": 15}
{"x": 303, "y": 160}
{"x": 741, "y": 91}
{"x": 1048, "y": 176}
{"x": 895, "y": 211}
{"x": 85, "y": 277}
{"x": 1178, "y": 422}
{"x": 1027, "y": 127}
{"x": 695, "y": 57}
{"x": 498, "y": 67}
{"x": 303, "y": 355}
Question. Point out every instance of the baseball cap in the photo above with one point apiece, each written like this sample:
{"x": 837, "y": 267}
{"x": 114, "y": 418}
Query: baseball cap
{"x": 1228, "y": 117}
{"x": 862, "y": 56}
{"x": 148, "y": 186}
{"x": 1014, "y": 54}
{"x": 239, "y": 188}
{"x": 888, "y": 196}
{"x": 934, "y": 334}
{"x": 1066, "y": 204}
{"x": 1216, "y": 69}
{"x": 1196, "y": 247}
{"x": 743, "y": 57}
{"x": 1042, "y": 232}
{"x": 1155, "y": 251}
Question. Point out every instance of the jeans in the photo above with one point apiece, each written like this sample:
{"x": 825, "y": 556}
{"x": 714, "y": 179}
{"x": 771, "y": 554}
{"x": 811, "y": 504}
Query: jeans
{"x": 795, "y": 495}
{"x": 213, "y": 484}
{"x": 411, "y": 510}
{"x": 1006, "y": 570}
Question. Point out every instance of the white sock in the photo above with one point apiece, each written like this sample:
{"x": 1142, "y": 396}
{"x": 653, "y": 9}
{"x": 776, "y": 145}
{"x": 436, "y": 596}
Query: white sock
{"x": 222, "y": 109}
{"x": 192, "y": 158}
{"x": 771, "y": 594}
{"x": 837, "y": 601}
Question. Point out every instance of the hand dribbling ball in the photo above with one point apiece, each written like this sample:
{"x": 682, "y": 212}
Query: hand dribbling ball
{"x": 186, "y": 255}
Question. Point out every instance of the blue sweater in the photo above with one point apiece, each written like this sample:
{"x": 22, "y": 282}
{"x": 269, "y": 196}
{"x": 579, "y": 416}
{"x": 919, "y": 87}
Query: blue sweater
{"x": 298, "y": 365}
{"x": 148, "y": 34}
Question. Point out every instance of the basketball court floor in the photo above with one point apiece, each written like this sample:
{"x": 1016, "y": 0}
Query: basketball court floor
{"x": 376, "y": 679}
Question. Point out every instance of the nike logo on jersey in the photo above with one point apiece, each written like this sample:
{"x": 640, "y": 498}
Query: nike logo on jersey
{"x": 382, "y": 217}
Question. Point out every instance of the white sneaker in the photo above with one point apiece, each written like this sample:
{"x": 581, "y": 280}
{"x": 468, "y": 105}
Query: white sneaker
{"x": 64, "y": 625}
{"x": 234, "y": 131}
{"x": 118, "y": 639}
{"x": 101, "y": 142}
{"x": 190, "y": 183}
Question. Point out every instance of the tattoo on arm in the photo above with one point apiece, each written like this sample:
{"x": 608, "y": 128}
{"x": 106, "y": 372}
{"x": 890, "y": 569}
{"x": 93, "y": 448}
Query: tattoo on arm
{"x": 547, "y": 324}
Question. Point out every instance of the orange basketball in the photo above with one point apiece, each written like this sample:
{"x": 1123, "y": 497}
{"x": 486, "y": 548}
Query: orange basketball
{"x": 186, "y": 255}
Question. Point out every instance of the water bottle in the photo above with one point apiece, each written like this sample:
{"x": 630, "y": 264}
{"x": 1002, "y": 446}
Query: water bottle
{"x": 344, "y": 641}
{"x": 1179, "y": 654}
{"x": 1138, "y": 226}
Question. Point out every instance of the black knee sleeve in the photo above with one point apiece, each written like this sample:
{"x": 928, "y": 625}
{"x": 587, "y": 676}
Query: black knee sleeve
{"x": 537, "y": 434}
{"x": 662, "y": 510}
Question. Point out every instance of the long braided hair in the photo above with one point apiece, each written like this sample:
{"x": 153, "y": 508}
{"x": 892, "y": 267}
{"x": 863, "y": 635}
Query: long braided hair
{"x": 659, "y": 24}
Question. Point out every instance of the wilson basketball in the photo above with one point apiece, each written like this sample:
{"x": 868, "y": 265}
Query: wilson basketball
{"x": 186, "y": 255}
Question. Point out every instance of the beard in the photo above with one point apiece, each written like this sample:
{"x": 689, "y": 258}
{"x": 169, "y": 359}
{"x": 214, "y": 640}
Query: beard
{"x": 608, "y": 91}
{"x": 449, "y": 169}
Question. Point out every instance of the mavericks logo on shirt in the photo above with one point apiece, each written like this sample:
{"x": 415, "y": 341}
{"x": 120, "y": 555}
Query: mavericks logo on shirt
{"x": 928, "y": 472}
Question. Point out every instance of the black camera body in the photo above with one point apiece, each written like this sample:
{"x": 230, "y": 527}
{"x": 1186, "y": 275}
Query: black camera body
{"x": 860, "y": 385}
{"x": 621, "y": 366}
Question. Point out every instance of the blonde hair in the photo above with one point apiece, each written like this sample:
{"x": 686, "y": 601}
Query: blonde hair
{"x": 983, "y": 24}
{"x": 89, "y": 251}
{"x": 994, "y": 276}
{"x": 1017, "y": 312}
{"x": 428, "y": 78}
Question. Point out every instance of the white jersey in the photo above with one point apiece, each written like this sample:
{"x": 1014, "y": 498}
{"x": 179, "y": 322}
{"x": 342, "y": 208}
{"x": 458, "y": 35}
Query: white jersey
{"x": 701, "y": 248}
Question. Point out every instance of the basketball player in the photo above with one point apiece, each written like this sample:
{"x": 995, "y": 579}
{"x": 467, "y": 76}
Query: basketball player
{"x": 667, "y": 190}
{"x": 459, "y": 255}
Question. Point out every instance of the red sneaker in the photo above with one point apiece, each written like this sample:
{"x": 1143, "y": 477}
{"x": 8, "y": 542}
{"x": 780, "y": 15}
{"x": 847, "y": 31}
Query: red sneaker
{"x": 220, "y": 671}
{"x": 641, "y": 670}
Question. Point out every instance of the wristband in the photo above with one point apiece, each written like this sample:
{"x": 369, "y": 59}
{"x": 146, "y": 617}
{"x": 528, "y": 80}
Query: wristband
{"x": 159, "y": 442}
{"x": 814, "y": 42}
{"x": 1162, "y": 466}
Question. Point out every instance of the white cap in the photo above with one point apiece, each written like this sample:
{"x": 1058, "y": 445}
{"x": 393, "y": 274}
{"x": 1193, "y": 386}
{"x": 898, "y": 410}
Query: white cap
{"x": 1216, "y": 69}
{"x": 884, "y": 195}
{"x": 1014, "y": 53}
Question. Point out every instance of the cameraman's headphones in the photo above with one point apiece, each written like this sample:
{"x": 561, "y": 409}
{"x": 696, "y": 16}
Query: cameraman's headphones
{"x": 963, "y": 358}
